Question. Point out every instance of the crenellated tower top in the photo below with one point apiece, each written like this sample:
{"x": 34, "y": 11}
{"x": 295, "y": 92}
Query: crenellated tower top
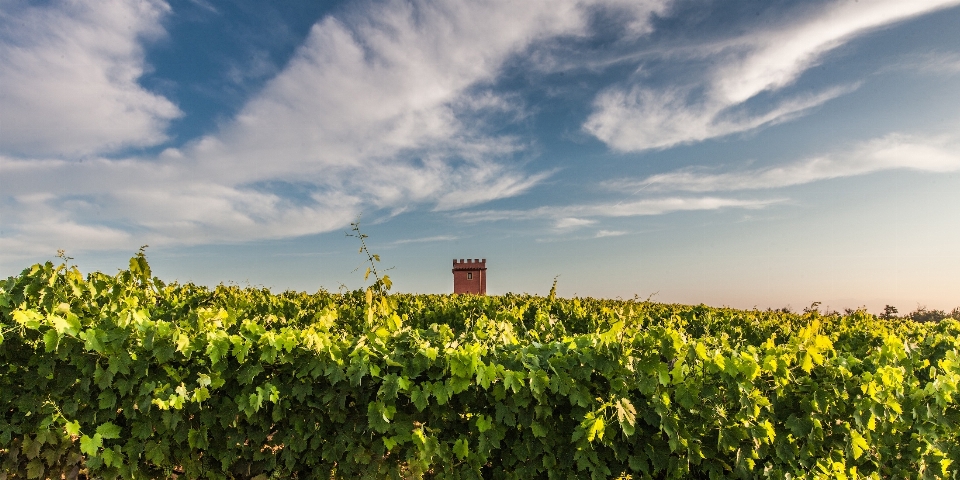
{"x": 470, "y": 264}
{"x": 470, "y": 276}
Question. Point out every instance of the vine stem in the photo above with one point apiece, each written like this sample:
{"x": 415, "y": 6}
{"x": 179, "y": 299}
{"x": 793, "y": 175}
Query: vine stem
{"x": 381, "y": 284}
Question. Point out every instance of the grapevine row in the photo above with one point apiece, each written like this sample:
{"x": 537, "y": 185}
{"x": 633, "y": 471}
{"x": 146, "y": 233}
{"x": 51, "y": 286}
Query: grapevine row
{"x": 125, "y": 376}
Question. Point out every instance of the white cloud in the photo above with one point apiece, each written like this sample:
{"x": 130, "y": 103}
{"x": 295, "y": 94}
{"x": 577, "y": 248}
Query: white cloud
{"x": 780, "y": 55}
{"x": 394, "y": 84}
{"x": 590, "y": 212}
{"x": 435, "y": 238}
{"x": 887, "y": 153}
{"x": 381, "y": 108}
{"x": 42, "y": 228}
{"x": 69, "y": 78}
{"x": 161, "y": 214}
{"x": 935, "y": 63}
{"x": 567, "y": 223}
{"x": 609, "y": 233}
{"x": 638, "y": 117}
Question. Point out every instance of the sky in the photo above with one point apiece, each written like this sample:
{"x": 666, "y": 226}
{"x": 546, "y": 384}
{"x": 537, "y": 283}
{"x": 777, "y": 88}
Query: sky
{"x": 738, "y": 153}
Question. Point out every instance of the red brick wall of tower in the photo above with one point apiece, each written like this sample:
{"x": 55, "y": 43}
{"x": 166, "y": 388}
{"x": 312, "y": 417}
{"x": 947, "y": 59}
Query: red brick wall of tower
{"x": 470, "y": 276}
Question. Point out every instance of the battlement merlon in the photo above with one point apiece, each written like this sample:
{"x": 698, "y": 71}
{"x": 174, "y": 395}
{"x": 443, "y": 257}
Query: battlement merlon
{"x": 470, "y": 264}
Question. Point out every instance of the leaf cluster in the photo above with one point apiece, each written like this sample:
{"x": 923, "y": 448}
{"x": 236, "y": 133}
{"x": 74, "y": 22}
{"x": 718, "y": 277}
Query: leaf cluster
{"x": 125, "y": 376}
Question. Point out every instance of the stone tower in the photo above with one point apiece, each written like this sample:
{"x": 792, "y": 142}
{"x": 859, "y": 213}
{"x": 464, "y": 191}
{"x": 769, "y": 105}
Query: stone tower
{"x": 470, "y": 276}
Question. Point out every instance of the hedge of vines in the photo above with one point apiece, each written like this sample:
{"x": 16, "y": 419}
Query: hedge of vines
{"x": 125, "y": 376}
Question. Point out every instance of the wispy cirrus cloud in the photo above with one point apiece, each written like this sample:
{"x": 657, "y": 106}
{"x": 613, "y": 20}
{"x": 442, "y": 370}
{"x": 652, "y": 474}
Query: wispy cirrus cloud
{"x": 641, "y": 119}
{"x": 609, "y": 233}
{"x": 635, "y": 116}
{"x": 933, "y": 62}
{"x": 586, "y": 214}
{"x": 892, "y": 152}
{"x": 435, "y": 238}
{"x": 779, "y": 55}
{"x": 385, "y": 106}
{"x": 100, "y": 213}
{"x": 568, "y": 223}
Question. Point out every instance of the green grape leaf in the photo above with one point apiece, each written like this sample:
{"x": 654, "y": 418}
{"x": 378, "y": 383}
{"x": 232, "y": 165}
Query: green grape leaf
{"x": 50, "y": 340}
{"x": 72, "y": 428}
{"x": 512, "y": 381}
{"x": 484, "y": 423}
{"x": 66, "y": 325}
{"x": 389, "y": 442}
{"x": 217, "y": 349}
{"x": 806, "y": 363}
{"x": 106, "y": 401}
{"x": 457, "y": 385}
{"x": 35, "y": 468}
{"x": 196, "y": 438}
{"x": 663, "y": 374}
{"x": 90, "y": 445}
{"x": 626, "y": 415}
{"x": 154, "y": 453}
{"x": 858, "y": 444}
{"x": 420, "y": 398}
{"x": 440, "y": 392}
{"x": 28, "y": 318}
{"x": 201, "y": 394}
{"x": 596, "y": 430}
{"x": 461, "y": 449}
{"x": 701, "y": 351}
{"x": 430, "y": 352}
{"x": 110, "y": 457}
{"x": 108, "y": 431}
{"x": 394, "y": 322}
{"x": 539, "y": 382}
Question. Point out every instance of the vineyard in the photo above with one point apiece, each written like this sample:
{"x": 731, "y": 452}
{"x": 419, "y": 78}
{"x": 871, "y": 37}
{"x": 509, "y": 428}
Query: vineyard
{"x": 125, "y": 376}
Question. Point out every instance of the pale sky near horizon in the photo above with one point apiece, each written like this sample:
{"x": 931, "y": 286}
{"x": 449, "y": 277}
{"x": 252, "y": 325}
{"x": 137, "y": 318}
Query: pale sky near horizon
{"x": 742, "y": 153}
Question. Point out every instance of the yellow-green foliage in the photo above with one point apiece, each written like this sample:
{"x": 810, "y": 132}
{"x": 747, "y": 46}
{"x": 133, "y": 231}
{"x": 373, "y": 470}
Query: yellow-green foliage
{"x": 124, "y": 376}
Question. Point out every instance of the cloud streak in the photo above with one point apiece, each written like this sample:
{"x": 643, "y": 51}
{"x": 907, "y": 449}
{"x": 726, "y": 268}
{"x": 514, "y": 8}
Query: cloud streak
{"x": 892, "y": 152}
{"x": 933, "y": 63}
{"x": 609, "y": 233}
{"x": 586, "y": 214}
{"x": 435, "y": 238}
{"x": 636, "y": 116}
{"x": 778, "y": 56}
{"x": 70, "y": 74}
{"x": 641, "y": 119}
{"x": 385, "y": 107}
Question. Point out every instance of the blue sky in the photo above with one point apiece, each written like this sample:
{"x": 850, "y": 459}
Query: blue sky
{"x": 739, "y": 153}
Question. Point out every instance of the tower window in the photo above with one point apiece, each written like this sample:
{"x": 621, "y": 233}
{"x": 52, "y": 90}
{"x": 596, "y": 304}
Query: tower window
{"x": 469, "y": 275}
